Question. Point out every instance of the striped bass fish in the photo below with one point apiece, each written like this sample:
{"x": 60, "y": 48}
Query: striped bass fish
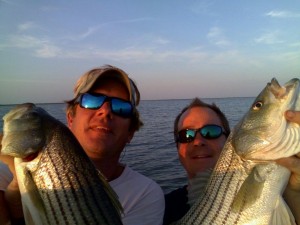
{"x": 246, "y": 184}
{"x": 58, "y": 182}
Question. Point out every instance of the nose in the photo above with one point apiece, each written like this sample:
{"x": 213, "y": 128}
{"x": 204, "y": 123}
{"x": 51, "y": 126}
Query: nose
{"x": 105, "y": 109}
{"x": 199, "y": 140}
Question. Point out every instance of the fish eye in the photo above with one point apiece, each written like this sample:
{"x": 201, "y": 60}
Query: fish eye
{"x": 257, "y": 105}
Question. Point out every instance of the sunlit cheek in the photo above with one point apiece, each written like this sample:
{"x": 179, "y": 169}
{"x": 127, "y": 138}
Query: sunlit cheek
{"x": 183, "y": 157}
{"x": 182, "y": 150}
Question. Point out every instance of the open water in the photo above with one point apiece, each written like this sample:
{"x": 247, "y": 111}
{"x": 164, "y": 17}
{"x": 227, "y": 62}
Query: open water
{"x": 152, "y": 151}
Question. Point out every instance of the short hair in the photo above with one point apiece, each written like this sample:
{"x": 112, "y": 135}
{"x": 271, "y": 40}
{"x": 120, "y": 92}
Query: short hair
{"x": 196, "y": 102}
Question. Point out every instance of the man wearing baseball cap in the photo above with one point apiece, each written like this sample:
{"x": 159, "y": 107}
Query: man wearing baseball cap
{"x": 103, "y": 117}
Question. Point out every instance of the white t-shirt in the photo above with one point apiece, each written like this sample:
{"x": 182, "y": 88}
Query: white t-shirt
{"x": 141, "y": 198}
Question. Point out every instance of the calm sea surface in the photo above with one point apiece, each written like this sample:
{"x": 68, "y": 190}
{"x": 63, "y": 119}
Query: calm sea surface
{"x": 152, "y": 150}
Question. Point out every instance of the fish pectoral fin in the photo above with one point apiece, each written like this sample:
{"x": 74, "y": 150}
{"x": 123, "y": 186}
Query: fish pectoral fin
{"x": 33, "y": 206}
{"x": 28, "y": 216}
{"x": 282, "y": 214}
{"x": 249, "y": 192}
{"x": 111, "y": 194}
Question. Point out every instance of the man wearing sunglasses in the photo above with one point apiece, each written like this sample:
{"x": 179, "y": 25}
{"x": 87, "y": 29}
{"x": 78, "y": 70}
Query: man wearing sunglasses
{"x": 103, "y": 117}
{"x": 200, "y": 132}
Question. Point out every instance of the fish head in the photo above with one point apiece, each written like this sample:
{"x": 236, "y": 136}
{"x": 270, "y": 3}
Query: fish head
{"x": 264, "y": 133}
{"x": 23, "y": 135}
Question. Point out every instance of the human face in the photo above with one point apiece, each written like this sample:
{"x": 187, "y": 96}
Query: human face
{"x": 102, "y": 133}
{"x": 200, "y": 154}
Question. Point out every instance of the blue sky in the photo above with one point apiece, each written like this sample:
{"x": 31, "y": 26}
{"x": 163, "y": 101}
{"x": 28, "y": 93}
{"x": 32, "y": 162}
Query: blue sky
{"x": 173, "y": 49}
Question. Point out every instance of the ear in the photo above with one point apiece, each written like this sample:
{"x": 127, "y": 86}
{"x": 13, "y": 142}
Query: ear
{"x": 130, "y": 136}
{"x": 69, "y": 120}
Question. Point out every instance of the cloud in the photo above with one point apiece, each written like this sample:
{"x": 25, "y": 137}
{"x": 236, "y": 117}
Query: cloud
{"x": 78, "y": 37}
{"x": 45, "y": 48}
{"x": 26, "y": 26}
{"x": 93, "y": 29}
{"x": 269, "y": 38}
{"x": 48, "y": 51}
{"x": 216, "y": 36}
{"x": 24, "y": 41}
{"x": 147, "y": 54}
{"x": 283, "y": 14}
{"x": 203, "y": 7}
{"x": 161, "y": 41}
{"x": 90, "y": 31}
{"x": 295, "y": 44}
{"x": 41, "y": 47}
{"x": 8, "y": 2}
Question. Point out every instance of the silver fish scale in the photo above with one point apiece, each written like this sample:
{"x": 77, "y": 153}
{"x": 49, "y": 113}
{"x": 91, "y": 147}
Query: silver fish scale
{"x": 221, "y": 189}
{"x": 225, "y": 178}
{"x": 69, "y": 185}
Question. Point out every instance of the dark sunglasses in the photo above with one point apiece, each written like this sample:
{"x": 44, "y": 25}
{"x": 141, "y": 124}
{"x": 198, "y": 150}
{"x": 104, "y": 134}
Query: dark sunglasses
{"x": 210, "y": 131}
{"x": 118, "y": 106}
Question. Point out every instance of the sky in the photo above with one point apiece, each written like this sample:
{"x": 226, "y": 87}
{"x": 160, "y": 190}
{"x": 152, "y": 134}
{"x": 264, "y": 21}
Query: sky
{"x": 172, "y": 49}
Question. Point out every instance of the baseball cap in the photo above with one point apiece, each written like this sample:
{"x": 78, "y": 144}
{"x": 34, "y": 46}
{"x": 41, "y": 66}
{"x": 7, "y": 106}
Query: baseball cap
{"x": 86, "y": 82}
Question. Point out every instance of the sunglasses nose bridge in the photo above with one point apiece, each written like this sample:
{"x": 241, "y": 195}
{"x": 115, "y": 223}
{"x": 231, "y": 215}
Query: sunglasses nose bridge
{"x": 107, "y": 104}
{"x": 105, "y": 107}
{"x": 199, "y": 139}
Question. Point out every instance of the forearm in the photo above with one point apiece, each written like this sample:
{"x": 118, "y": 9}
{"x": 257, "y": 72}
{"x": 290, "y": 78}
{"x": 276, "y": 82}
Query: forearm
{"x": 13, "y": 202}
{"x": 10, "y": 199}
{"x": 11, "y": 207}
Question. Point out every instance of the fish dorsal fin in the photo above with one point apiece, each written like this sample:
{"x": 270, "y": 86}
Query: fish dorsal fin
{"x": 249, "y": 191}
{"x": 282, "y": 214}
{"x": 197, "y": 186}
{"x": 111, "y": 193}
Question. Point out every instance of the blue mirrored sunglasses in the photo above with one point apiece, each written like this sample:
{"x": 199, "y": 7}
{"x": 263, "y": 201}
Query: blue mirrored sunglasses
{"x": 118, "y": 106}
{"x": 210, "y": 131}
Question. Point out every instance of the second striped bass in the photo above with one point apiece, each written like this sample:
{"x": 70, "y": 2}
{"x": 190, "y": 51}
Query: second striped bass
{"x": 58, "y": 182}
{"x": 246, "y": 185}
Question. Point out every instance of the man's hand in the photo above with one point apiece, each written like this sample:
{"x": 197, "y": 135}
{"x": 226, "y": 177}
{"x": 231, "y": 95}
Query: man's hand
{"x": 292, "y": 191}
{"x": 9, "y": 160}
{"x": 11, "y": 198}
{"x": 293, "y": 162}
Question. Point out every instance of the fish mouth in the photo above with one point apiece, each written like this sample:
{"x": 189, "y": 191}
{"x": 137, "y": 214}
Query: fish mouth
{"x": 278, "y": 90}
{"x": 30, "y": 157}
{"x": 282, "y": 92}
